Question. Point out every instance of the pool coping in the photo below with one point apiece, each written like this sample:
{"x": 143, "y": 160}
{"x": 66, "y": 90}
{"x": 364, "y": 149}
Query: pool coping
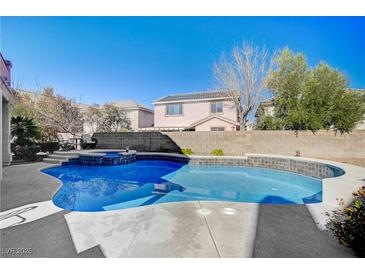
{"x": 336, "y": 191}
{"x": 104, "y": 153}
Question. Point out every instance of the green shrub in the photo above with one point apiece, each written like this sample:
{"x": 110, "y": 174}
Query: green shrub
{"x": 49, "y": 146}
{"x": 217, "y": 152}
{"x": 24, "y": 131}
{"x": 268, "y": 123}
{"x": 123, "y": 130}
{"x": 187, "y": 151}
{"x": 26, "y": 153}
{"x": 348, "y": 225}
{"x": 25, "y": 135}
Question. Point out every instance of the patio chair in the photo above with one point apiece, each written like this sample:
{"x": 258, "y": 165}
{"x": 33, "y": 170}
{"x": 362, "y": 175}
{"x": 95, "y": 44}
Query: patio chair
{"x": 64, "y": 141}
{"x": 87, "y": 141}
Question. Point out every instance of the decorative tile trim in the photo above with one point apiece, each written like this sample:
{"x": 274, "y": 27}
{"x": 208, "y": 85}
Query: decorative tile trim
{"x": 308, "y": 168}
{"x": 297, "y": 165}
{"x": 163, "y": 156}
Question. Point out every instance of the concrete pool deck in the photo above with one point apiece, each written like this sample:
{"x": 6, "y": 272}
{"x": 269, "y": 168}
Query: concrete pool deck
{"x": 188, "y": 229}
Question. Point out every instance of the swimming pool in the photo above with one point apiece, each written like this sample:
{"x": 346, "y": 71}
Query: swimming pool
{"x": 146, "y": 182}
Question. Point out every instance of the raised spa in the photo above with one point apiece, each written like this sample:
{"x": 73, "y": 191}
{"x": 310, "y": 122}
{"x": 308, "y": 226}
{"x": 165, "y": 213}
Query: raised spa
{"x": 108, "y": 158}
{"x": 147, "y": 182}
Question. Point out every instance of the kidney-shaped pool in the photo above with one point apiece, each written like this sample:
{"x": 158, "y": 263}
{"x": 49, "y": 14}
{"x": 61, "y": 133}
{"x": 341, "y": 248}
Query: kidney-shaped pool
{"x": 146, "y": 182}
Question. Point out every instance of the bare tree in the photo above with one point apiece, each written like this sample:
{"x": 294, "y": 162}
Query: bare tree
{"x": 60, "y": 112}
{"x": 54, "y": 113}
{"x": 93, "y": 117}
{"x": 244, "y": 76}
{"x": 114, "y": 119}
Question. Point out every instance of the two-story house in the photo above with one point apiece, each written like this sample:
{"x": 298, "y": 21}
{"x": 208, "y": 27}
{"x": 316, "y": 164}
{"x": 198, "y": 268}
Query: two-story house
{"x": 198, "y": 111}
{"x": 139, "y": 115}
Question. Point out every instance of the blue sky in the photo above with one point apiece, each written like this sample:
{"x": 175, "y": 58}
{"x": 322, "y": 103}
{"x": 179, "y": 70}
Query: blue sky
{"x": 101, "y": 59}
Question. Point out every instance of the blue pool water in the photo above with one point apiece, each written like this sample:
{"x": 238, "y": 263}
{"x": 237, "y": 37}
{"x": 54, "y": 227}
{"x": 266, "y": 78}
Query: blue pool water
{"x": 146, "y": 182}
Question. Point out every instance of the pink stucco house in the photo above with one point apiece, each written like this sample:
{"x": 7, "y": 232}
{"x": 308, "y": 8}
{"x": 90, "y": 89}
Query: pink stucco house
{"x": 198, "y": 111}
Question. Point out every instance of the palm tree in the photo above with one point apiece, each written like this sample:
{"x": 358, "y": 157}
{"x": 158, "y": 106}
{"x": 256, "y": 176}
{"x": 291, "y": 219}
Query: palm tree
{"x": 24, "y": 130}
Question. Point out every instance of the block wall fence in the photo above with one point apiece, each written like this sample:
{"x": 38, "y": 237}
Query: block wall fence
{"x": 322, "y": 144}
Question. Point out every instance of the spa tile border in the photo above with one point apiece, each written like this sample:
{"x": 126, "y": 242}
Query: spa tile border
{"x": 99, "y": 159}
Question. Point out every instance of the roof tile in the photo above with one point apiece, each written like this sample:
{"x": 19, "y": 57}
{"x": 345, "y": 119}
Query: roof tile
{"x": 194, "y": 96}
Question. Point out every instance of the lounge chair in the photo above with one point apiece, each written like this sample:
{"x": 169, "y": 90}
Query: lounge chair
{"x": 64, "y": 141}
{"x": 87, "y": 141}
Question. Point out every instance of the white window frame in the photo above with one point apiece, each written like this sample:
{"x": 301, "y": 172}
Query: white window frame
{"x": 215, "y": 109}
{"x": 179, "y": 114}
{"x": 224, "y": 129}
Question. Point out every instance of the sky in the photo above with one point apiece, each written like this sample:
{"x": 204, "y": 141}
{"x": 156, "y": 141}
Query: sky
{"x": 103, "y": 59}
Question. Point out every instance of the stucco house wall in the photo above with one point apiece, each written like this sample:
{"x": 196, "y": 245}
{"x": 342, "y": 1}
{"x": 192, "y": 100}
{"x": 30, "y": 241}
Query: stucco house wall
{"x": 208, "y": 125}
{"x": 146, "y": 118}
{"x": 139, "y": 115}
{"x": 133, "y": 117}
{"x": 191, "y": 113}
{"x": 5, "y": 71}
{"x": 140, "y": 118}
{"x": 6, "y": 99}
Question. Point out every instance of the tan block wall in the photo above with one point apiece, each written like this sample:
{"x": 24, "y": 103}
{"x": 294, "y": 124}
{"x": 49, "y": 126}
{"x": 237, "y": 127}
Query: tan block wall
{"x": 323, "y": 144}
{"x": 348, "y": 148}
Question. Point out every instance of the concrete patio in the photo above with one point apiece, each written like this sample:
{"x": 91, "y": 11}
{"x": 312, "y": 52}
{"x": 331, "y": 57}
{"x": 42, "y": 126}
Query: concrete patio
{"x": 188, "y": 229}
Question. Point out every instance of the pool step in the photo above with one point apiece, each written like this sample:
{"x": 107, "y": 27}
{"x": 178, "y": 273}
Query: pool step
{"x": 54, "y": 161}
{"x": 180, "y": 195}
{"x": 60, "y": 157}
{"x": 128, "y": 204}
{"x": 65, "y": 153}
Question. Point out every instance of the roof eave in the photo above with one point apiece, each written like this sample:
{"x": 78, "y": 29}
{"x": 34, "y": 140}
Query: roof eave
{"x": 212, "y": 117}
{"x": 7, "y": 92}
{"x": 226, "y": 98}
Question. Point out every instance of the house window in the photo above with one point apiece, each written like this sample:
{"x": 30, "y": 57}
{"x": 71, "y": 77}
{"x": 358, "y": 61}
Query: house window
{"x": 174, "y": 109}
{"x": 217, "y": 129}
{"x": 216, "y": 107}
{"x": 131, "y": 115}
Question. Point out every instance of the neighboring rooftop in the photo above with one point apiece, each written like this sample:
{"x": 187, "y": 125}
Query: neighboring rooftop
{"x": 6, "y": 62}
{"x": 128, "y": 104}
{"x": 193, "y": 96}
{"x": 268, "y": 102}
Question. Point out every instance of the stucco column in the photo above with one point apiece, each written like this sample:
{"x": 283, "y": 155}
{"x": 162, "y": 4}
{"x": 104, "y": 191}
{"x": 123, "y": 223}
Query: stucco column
{"x": 1, "y": 128}
{"x": 6, "y": 155}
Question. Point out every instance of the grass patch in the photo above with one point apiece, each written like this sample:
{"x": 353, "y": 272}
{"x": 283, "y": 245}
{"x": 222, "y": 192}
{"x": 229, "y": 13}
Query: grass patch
{"x": 187, "y": 151}
{"x": 217, "y": 152}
